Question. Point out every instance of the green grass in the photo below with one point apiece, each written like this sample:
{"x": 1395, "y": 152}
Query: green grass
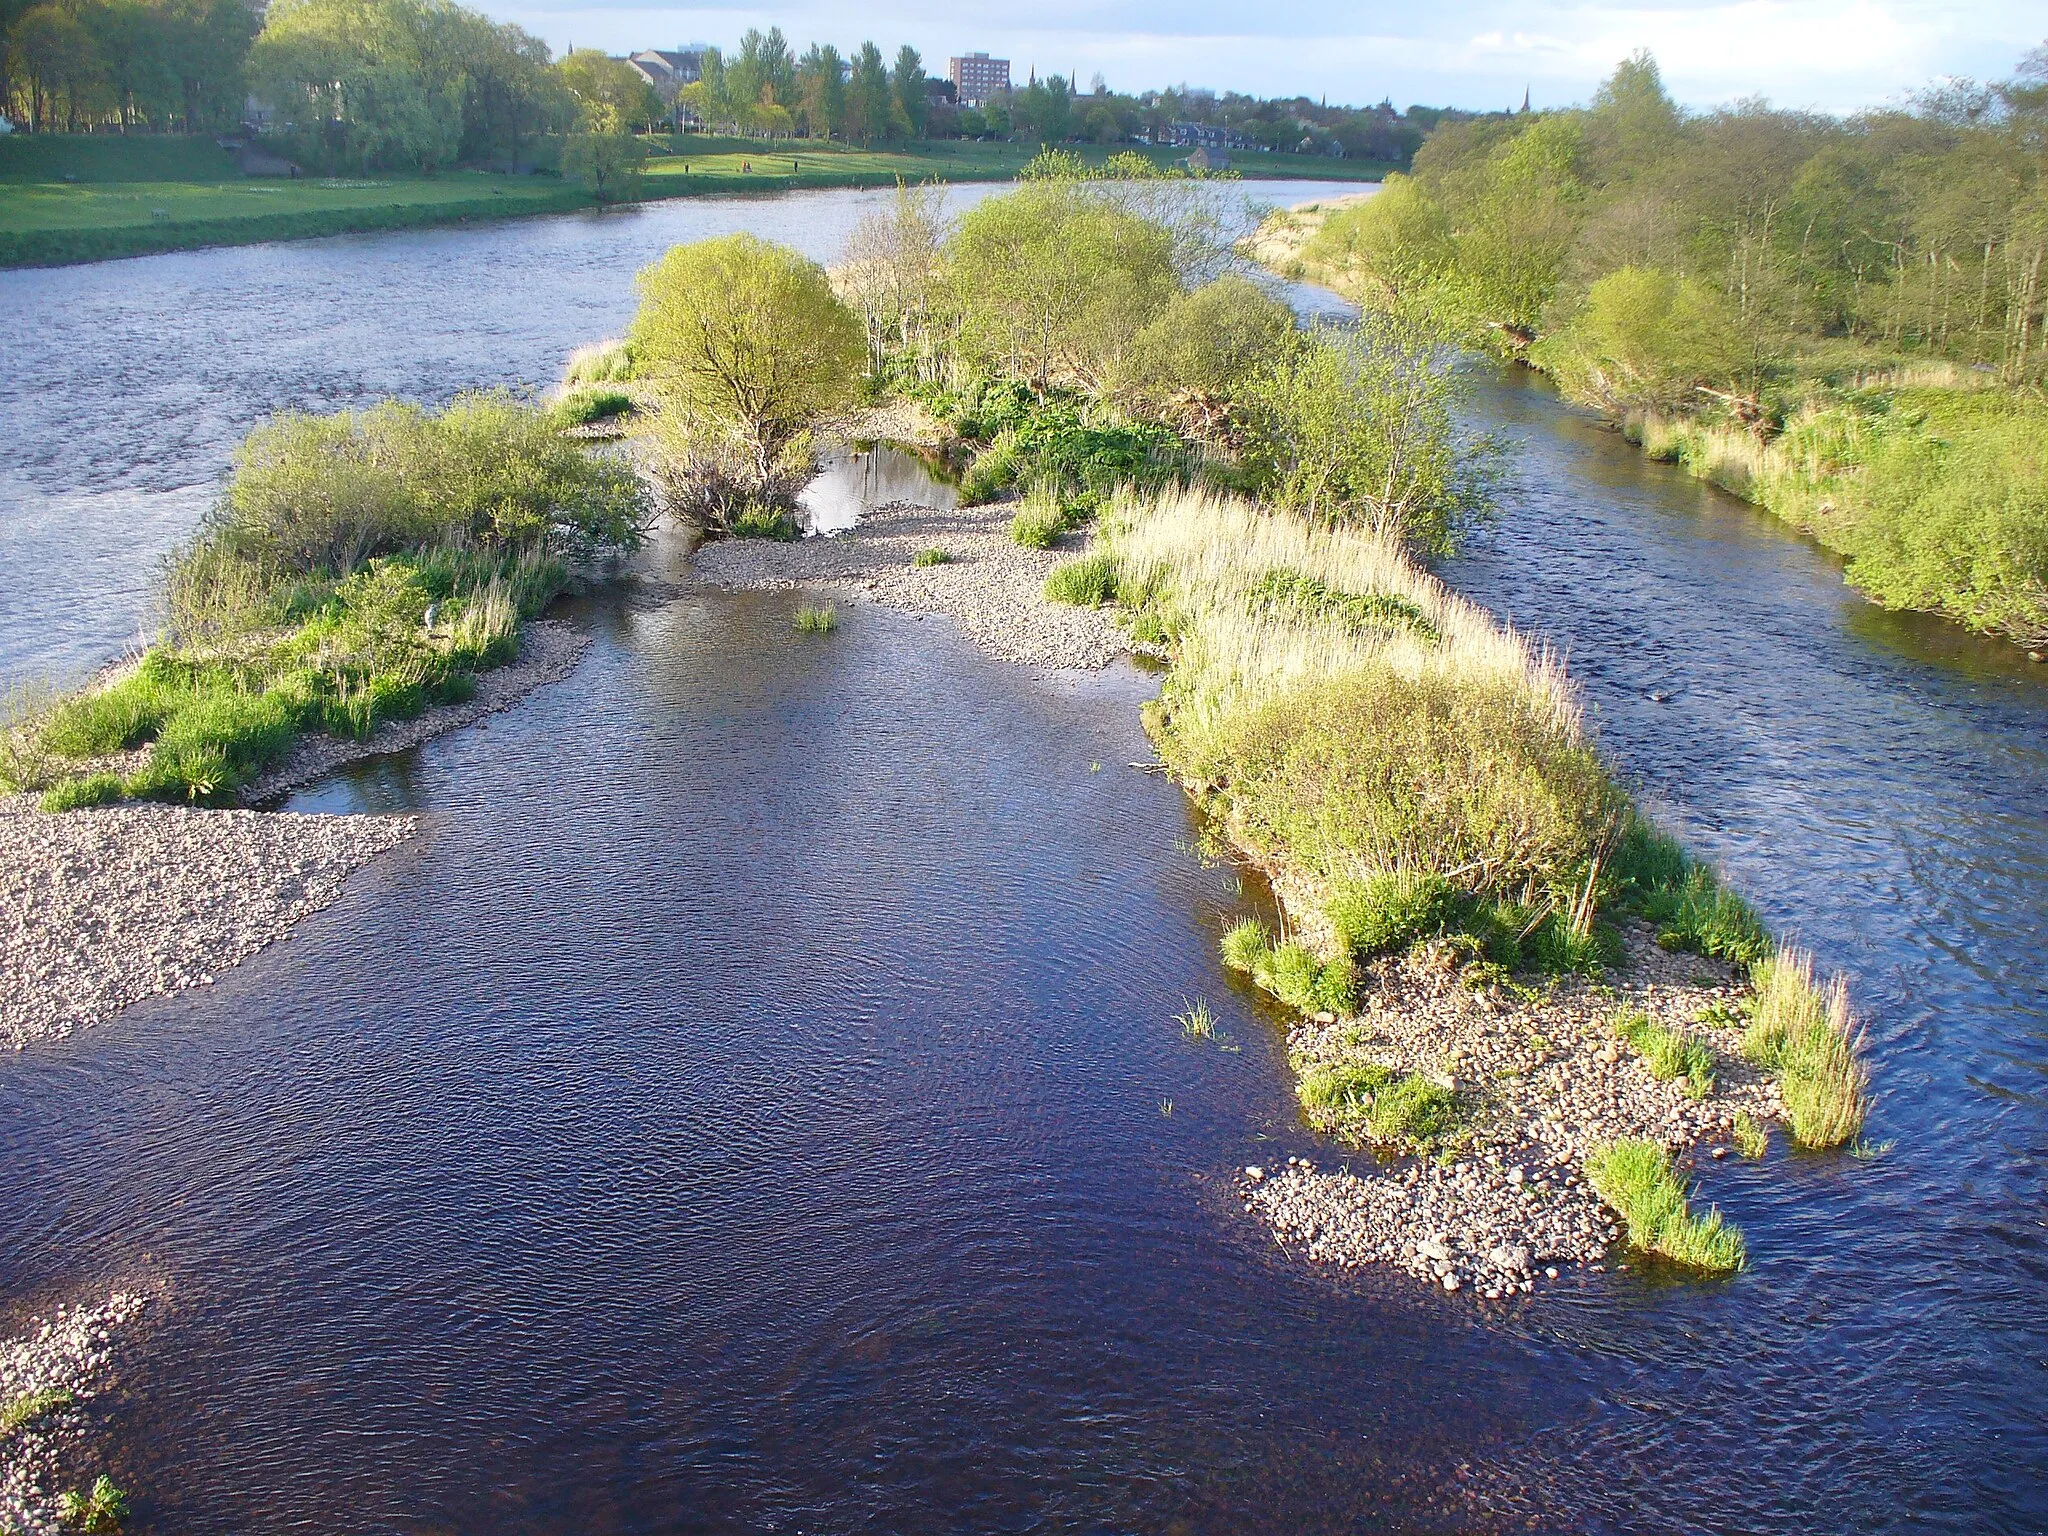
{"x": 78, "y": 794}
{"x": 160, "y": 192}
{"x": 819, "y": 620}
{"x": 1389, "y": 910}
{"x": 1244, "y": 945}
{"x": 29, "y": 1407}
{"x": 1040, "y": 519}
{"x": 1360, "y": 612}
{"x": 1367, "y": 1101}
{"x": 925, "y": 558}
{"x": 1088, "y": 582}
{"x": 1805, "y": 1034}
{"x": 1197, "y": 1020}
{"x": 1291, "y": 971}
{"x": 1752, "y": 1140}
{"x": 1670, "y": 1054}
{"x": 1636, "y": 1178}
{"x": 766, "y": 523}
{"x": 583, "y": 406}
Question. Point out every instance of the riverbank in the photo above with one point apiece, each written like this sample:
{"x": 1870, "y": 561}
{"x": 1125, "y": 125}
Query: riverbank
{"x": 1928, "y": 477}
{"x": 102, "y": 908}
{"x": 51, "y": 1373}
{"x": 52, "y": 215}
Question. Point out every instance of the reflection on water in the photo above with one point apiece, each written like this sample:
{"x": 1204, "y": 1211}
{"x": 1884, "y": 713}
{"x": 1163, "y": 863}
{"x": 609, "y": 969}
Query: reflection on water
{"x": 856, "y": 480}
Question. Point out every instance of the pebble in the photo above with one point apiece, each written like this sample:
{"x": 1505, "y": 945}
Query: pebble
{"x": 73, "y": 1350}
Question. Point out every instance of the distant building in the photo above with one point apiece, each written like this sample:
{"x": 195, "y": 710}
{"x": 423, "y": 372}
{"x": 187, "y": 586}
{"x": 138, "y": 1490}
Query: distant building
{"x": 668, "y": 70}
{"x": 1208, "y": 160}
{"x": 977, "y": 78}
{"x": 1205, "y": 136}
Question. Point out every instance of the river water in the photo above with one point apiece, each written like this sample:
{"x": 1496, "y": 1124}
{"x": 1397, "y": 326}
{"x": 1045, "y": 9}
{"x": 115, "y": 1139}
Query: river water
{"x": 753, "y": 1102}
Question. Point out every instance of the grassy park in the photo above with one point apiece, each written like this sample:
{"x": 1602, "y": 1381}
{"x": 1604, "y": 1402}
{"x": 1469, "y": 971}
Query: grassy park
{"x": 89, "y": 197}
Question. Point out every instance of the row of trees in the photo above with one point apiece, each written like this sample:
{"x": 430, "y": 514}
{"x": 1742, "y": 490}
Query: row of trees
{"x": 1657, "y": 258}
{"x": 1108, "y": 307}
{"x": 68, "y": 64}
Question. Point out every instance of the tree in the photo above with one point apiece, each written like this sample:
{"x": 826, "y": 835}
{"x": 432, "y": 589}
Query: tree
{"x": 1207, "y": 345}
{"x": 893, "y": 272}
{"x": 821, "y": 86}
{"x": 1361, "y": 427}
{"x": 599, "y": 81}
{"x": 748, "y": 347}
{"x": 913, "y": 99}
{"x": 55, "y": 55}
{"x": 872, "y": 114}
{"x": 1392, "y": 249}
{"x": 606, "y": 157}
{"x": 1647, "y": 338}
{"x": 1053, "y": 281}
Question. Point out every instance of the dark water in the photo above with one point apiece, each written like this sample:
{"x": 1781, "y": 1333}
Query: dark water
{"x": 744, "y": 1108}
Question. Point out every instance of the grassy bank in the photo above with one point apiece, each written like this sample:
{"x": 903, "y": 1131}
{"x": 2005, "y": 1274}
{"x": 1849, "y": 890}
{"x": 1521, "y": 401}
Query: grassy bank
{"x": 67, "y": 199}
{"x": 359, "y": 568}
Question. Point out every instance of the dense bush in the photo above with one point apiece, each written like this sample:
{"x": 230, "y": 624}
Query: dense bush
{"x": 316, "y": 494}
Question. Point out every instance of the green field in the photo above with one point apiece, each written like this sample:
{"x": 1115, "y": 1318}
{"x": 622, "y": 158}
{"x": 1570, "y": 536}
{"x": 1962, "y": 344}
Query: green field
{"x": 67, "y": 199}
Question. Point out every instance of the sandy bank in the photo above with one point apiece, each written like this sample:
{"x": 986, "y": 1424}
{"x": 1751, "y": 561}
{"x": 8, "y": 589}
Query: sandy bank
{"x": 993, "y": 589}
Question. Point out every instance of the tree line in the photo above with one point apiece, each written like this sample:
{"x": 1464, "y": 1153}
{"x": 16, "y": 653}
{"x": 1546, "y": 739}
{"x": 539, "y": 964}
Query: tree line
{"x": 424, "y": 84}
{"x": 1658, "y": 258}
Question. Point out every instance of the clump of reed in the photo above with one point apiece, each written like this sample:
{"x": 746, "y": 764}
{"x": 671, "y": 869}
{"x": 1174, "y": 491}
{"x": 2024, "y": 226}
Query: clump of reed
{"x": 936, "y": 555}
{"x": 611, "y": 361}
{"x": 1086, "y": 582}
{"x": 820, "y": 619}
{"x": 1365, "y": 1101}
{"x": 1670, "y": 1054}
{"x": 1637, "y": 1179}
{"x": 1806, "y": 1035}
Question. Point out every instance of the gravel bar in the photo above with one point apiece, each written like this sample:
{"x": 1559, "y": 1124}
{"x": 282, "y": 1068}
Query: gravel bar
{"x": 1546, "y": 1080}
{"x": 102, "y": 908}
{"x": 992, "y": 588}
{"x": 58, "y": 1364}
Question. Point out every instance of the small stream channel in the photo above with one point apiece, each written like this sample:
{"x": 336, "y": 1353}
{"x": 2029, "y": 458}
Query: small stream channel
{"x": 754, "y": 1104}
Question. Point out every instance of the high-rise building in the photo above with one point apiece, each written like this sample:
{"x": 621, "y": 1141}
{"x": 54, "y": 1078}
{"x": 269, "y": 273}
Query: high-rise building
{"x": 977, "y": 77}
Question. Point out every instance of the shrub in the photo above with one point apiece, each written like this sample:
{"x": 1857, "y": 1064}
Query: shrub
{"x": 1668, "y": 1053}
{"x": 1807, "y": 1035}
{"x": 1389, "y": 910}
{"x": 1206, "y": 343}
{"x": 747, "y": 345}
{"x": 1635, "y": 1177}
{"x": 103, "y": 1509}
{"x": 77, "y": 794}
{"x": 1088, "y": 582}
{"x": 1360, "y": 1101}
{"x": 1752, "y": 1140}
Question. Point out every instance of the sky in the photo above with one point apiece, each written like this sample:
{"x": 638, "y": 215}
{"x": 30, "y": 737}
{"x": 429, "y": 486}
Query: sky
{"x": 1833, "y": 55}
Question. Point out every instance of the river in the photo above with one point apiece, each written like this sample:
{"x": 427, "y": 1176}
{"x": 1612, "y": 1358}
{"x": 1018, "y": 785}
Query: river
{"x": 754, "y": 1103}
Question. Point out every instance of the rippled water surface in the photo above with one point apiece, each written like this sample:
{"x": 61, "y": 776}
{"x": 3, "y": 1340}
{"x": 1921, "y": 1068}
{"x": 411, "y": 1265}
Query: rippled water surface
{"x": 753, "y": 1102}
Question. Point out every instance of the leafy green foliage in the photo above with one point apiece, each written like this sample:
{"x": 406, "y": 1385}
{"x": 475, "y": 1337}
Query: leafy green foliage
{"x": 1361, "y": 426}
{"x": 326, "y": 493}
{"x": 1636, "y": 1178}
{"x": 1053, "y": 282}
{"x": 1206, "y": 343}
{"x": 104, "y": 1508}
{"x": 608, "y": 159}
{"x": 747, "y": 346}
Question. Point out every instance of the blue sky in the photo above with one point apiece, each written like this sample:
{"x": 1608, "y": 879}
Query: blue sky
{"x": 1836, "y": 55}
